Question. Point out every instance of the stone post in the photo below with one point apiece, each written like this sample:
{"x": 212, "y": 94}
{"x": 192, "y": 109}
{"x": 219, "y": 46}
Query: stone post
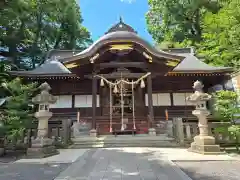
{"x": 180, "y": 132}
{"x": 170, "y": 128}
{"x": 203, "y": 143}
{"x": 66, "y": 130}
{"x": 188, "y": 131}
{"x": 1, "y": 147}
{"x": 1, "y": 137}
{"x": 43, "y": 146}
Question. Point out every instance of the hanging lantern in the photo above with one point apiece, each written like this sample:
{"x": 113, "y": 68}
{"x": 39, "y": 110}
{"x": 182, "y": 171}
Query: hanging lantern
{"x": 142, "y": 84}
{"x": 115, "y": 90}
{"x": 102, "y": 83}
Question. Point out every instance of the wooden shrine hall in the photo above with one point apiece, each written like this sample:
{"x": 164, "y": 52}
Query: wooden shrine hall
{"x": 121, "y": 82}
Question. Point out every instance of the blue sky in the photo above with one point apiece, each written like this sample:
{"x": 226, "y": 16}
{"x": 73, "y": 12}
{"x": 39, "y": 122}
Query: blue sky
{"x": 100, "y": 15}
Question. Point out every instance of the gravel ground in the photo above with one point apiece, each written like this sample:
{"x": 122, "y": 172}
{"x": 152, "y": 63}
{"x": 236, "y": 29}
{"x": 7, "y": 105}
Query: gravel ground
{"x": 211, "y": 170}
{"x": 10, "y": 171}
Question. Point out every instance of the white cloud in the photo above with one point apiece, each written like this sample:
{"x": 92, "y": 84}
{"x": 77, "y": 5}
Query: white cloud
{"x": 128, "y": 1}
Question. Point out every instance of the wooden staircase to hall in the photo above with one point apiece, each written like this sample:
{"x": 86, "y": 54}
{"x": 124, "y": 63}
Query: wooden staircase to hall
{"x": 141, "y": 123}
{"x": 103, "y": 124}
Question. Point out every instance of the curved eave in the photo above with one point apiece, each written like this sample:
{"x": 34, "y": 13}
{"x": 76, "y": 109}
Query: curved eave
{"x": 227, "y": 70}
{"x": 198, "y": 73}
{"x": 26, "y": 74}
{"x": 121, "y": 37}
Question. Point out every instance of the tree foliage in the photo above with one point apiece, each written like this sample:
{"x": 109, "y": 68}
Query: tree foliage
{"x": 178, "y": 20}
{"x": 212, "y": 27}
{"x": 17, "y": 113}
{"x": 221, "y": 36}
{"x": 226, "y": 104}
{"x": 29, "y": 28}
{"x": 227, "y": 108}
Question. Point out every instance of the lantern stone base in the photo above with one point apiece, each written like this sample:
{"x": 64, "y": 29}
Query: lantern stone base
{"x": 1, "y": 152}
{"x": 205, "y": 145}
{"x": 152, "y": 132}
{"x": 42, "y": 148}
{"x": 93, "y": 133}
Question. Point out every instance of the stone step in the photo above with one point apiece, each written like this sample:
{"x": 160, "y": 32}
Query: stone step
{"x": 123, "y": 141}
{"x": 106, "y": 145}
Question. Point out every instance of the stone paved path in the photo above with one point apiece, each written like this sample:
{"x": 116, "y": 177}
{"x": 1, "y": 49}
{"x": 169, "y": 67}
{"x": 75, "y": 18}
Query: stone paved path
{"x": 11, "y": 171}
{"x": 122, "y": 164}
{"x": 211, "y": 170}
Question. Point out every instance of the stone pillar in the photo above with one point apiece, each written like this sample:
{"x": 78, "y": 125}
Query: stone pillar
{"x": 42, "y": 146}
{"x": 170, "y": 128}
{"x": 180, "y": 132}
{"x": 203, "y": 143}
{"x": 188, "y": 131}
{"x": 152, "y": 130}
{"x": 93, "y": 131}
{"x": 1, "y": 137}
{"x": 1, "y": 147}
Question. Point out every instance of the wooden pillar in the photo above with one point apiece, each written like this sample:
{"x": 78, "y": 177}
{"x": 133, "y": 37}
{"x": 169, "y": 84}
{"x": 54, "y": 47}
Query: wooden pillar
{"x": 73, "y": 101}
{"x": 150, "y": 101}
{"x": 94, "y": 100}
{"x": 139, "y": 102}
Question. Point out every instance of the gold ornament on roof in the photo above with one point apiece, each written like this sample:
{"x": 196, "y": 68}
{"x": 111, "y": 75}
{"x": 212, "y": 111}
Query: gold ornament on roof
{"x": 92, "y": 59}
{"x": 147, "y": 56}
{"x": 171, "y": 63}
{"x": 72, "y": 65}
{"x": 121, "y": 47}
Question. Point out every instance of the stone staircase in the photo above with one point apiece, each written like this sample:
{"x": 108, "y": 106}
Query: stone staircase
{"x": 123, "y": 141}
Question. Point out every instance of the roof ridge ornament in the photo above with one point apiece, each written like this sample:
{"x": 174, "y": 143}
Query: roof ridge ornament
{"x": 121, "y": 26}
{"x": 120, "y": 19}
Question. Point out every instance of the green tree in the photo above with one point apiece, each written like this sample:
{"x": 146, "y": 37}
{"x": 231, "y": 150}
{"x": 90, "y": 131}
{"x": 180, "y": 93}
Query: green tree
{"x": 221, "y": 36}
{"x": 178, "y": 20}
{"x": 18, "y": 112}
{"x": 225, "y": 105}
{"x": 227, "y": 108}
{"x": 29, "y": 28}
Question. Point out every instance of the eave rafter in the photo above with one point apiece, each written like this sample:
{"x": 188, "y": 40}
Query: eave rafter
{"x": 194, "y": 74}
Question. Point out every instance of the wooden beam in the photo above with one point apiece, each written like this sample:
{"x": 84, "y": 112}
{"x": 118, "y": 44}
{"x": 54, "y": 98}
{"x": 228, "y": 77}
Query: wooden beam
{"x": 118, "y": 75}
{"x": 141, "y": 65}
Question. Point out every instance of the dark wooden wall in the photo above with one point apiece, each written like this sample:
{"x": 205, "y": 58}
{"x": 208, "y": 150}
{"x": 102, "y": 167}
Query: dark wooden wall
{"x": 160, "y": 85}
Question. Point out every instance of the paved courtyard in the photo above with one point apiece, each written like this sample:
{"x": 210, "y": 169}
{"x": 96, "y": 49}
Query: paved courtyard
{"x": 12, "y": 171}
{"x": 124, "y": 164}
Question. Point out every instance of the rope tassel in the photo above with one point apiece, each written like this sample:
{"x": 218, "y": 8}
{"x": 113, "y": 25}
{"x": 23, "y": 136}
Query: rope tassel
{"x": 142, "y": 84}
{"x": 102, "y": 83}
{"x": 115, "y": 90}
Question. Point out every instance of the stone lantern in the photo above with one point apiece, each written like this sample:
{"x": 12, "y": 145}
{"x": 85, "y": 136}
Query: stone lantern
{"x": 203, "y": 143}
{"x": 43, "y": 146}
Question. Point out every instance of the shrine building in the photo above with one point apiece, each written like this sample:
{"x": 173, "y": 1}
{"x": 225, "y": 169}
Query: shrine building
{"x": 122, "y": 82}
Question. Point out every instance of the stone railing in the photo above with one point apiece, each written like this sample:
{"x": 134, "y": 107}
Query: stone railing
{"x": 184, "y": 132}
{"x": 59, "y": 131}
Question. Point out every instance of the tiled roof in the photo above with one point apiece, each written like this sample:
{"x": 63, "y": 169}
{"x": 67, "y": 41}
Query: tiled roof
{"x": 192, "y": 63}
{"x": 48, "y": 67}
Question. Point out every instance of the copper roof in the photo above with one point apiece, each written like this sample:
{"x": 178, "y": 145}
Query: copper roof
{"x": 121, "y": 32}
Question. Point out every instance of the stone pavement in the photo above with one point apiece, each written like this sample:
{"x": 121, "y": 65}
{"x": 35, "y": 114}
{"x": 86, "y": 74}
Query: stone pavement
{"x": 64, "y": 156}
{"x": 15, "y": 171}
{"x": 211, "y": 170}
{"x": 122, "y": 164}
